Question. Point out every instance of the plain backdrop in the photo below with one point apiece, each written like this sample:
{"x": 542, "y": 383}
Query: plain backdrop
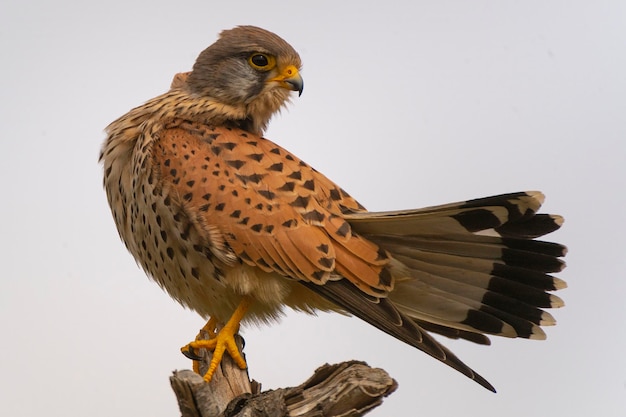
{"x": 406, "y": 104}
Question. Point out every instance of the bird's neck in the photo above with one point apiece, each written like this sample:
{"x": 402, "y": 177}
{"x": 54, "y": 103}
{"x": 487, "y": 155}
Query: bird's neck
{"x": 143, "y": 123}
{"x": 177, "y": 104}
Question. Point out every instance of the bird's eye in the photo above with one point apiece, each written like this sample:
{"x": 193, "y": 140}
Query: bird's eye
{"x": 261, "y": 62}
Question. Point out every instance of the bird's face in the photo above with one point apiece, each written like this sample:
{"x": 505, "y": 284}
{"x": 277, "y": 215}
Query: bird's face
{"x": 249, "y": 68}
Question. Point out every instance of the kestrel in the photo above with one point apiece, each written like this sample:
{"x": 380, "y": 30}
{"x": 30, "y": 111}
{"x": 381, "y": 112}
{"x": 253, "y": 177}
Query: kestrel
{"x": 236, "y": 228}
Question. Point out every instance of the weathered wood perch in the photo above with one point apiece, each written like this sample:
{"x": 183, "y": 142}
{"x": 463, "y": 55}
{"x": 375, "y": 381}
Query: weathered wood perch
{"x": 347, "y": 389}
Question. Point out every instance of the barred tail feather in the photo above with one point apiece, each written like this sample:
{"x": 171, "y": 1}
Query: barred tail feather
{"x": 512, "y": 214}
{"x": 466, "y": 270}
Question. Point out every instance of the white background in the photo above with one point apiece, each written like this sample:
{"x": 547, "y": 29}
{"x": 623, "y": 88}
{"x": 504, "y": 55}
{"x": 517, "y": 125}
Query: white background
{"x": 405, "y": 105}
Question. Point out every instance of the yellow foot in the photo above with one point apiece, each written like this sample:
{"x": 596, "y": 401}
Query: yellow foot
{"x": 219, "y": 342}
{"x": 209, "y": 330}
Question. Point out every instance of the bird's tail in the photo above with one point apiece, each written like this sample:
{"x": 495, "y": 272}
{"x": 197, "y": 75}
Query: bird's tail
{"x": 467, "y": 269}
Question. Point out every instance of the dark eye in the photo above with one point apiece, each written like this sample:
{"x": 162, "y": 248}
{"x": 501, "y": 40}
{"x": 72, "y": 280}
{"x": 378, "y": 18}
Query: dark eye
{"x": 259, "y": 60}
{"x": 262, "y": 62}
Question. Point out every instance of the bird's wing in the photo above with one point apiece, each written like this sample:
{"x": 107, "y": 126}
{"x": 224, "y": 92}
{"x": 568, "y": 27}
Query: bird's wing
{"x": 251, "y": 200}
{"x": 383, "y": 314}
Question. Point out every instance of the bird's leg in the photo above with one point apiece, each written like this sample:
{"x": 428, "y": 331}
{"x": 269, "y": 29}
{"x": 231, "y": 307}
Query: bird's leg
{"x": 223, "y": 340}
{"x": 209, "y": 328}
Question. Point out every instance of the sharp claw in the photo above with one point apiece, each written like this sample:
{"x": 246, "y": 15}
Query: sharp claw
{"x": 190, "y": 353}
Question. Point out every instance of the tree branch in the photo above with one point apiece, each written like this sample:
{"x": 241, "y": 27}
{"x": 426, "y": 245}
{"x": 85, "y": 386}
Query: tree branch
{"x": 347, "y": 389}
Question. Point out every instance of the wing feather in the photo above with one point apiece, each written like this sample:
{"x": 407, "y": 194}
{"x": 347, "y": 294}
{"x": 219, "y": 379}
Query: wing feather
{"x": 272, "y": 210}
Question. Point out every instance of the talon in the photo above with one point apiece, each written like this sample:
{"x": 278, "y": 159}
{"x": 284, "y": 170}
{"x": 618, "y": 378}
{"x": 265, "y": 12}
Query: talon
{"x": 189, "y": 353}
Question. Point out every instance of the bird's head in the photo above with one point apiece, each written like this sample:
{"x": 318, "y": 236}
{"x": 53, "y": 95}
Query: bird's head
{"x": 248, "y": 68}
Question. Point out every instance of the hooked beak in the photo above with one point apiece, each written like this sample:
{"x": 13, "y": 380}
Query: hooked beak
{"x": 290, "y": 79}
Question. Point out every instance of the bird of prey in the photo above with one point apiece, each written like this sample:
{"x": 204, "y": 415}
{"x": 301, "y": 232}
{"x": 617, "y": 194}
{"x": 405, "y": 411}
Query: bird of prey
{"x": 237, "y": 228}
